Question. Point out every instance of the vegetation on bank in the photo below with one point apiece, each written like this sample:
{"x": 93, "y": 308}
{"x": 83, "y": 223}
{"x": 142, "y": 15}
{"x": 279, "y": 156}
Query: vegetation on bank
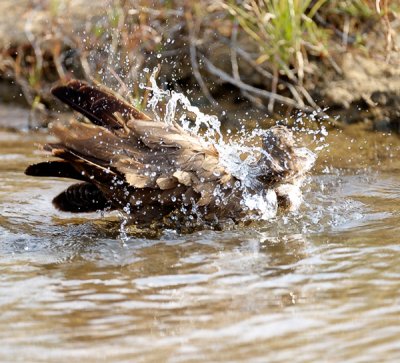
{"x": 267, "y": 50}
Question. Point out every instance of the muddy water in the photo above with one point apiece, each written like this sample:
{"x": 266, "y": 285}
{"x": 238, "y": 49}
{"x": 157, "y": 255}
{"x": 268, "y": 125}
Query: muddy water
{"x": 318, "y": 286}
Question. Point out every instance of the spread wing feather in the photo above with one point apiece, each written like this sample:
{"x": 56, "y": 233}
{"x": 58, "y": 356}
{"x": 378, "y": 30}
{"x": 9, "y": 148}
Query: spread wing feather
{"x": 96, "y": 103}
{"x": 130, "y": 159}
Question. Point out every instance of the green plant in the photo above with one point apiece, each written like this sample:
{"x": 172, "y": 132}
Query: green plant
{"x": 283, "y": 29}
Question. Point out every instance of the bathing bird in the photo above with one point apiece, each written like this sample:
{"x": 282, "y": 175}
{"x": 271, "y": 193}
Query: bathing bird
{"x": 155, "y": 171}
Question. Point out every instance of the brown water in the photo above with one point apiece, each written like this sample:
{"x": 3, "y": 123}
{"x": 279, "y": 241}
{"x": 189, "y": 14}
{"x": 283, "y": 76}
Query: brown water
{"x": 322, "y": 285}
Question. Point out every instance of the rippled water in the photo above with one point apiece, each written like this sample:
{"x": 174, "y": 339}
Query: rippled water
{"x": 321, "y": 285}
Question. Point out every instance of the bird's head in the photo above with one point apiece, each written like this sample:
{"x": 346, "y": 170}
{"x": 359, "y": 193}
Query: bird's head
{"x": 282, "y": 161}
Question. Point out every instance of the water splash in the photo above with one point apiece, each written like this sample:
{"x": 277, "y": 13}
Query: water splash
{"x": 210, "y": 122}
{"x": 238, "y": 156}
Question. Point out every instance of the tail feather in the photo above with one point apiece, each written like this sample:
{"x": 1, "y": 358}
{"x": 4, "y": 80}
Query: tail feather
{"x": 61, "y": 169}
{"x": 81, "y": 197}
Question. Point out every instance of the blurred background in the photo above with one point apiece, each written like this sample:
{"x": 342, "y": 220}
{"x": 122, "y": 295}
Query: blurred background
{"x": 256, "y": 59}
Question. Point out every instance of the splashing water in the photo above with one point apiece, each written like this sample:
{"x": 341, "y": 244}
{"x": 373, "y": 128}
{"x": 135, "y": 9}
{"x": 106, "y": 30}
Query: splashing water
{"x": 238, "y": 158}
{"x": 211, "y": 122}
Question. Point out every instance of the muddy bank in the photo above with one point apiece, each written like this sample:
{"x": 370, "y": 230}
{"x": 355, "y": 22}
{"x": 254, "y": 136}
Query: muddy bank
{"x": 201, "y": 53}
{"x": 368, "y": 90}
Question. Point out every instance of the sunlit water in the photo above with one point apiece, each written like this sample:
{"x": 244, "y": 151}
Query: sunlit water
{"x": 321, "y": 285}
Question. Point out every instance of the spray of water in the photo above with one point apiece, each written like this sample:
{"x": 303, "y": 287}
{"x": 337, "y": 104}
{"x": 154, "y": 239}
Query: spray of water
{"x": 236, "y": 156}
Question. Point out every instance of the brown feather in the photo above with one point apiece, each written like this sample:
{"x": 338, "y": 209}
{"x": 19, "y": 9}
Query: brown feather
{"x": 166, "y": 182}
{"x": 158, "y": 171}
{"x": 96, "y": 103}
{"x": 61, "y": 169}
{"x": 82, "y": 197}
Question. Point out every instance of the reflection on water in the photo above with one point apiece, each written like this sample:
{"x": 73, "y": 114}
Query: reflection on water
{"x": 317, "y": 286}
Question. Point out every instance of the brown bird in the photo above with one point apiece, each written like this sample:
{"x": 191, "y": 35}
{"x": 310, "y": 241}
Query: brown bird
{"x": 153, "y": 171}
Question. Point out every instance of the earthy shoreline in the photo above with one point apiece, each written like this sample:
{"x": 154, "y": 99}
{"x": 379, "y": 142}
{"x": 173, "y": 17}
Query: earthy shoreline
{"x": 354, "y": 84}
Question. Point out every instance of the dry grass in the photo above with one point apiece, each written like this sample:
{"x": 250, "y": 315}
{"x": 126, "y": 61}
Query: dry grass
{"x": 265, "y": 48}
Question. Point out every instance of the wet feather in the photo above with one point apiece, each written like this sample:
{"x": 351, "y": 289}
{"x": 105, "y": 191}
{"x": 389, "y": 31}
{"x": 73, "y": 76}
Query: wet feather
{"x": 154, "y": 170}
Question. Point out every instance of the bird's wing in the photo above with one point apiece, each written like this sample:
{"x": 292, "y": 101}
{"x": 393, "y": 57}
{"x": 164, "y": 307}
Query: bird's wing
{"x": 123, "y": 145}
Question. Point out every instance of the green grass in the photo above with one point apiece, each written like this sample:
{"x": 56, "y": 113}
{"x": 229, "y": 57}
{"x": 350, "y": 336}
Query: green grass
{"x": 284, "y": 31}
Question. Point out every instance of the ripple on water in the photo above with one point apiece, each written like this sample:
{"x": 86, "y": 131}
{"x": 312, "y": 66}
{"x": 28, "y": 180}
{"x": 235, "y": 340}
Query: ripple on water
{"x": 292, "y": 289}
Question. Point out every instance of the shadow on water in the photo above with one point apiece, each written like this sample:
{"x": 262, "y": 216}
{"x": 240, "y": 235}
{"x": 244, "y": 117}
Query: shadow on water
{"x": 295, "y": 288}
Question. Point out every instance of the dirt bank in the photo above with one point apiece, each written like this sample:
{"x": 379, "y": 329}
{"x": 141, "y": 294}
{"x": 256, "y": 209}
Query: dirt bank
{"x": 42, "y": 42}
{"x": 367, "y": 90}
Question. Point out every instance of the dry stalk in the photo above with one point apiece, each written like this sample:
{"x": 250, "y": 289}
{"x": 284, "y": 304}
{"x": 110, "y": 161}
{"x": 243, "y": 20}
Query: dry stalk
{"x": 193, "y": 57}
{"x": 235, "y": 67}
{"x": 263, "y": 93}
{"x": 263, "y": 72}
{"x": 275, "y": 81}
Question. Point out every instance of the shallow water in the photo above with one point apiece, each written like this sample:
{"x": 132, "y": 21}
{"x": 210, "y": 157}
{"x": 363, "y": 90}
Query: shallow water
{"x": 321, "y": 285}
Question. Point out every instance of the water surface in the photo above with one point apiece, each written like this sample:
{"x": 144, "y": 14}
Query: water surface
{"x": 321, "y": 285}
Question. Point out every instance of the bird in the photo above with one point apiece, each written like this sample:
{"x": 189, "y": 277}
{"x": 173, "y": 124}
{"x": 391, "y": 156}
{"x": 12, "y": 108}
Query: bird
{"x": 154, "y": 172}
